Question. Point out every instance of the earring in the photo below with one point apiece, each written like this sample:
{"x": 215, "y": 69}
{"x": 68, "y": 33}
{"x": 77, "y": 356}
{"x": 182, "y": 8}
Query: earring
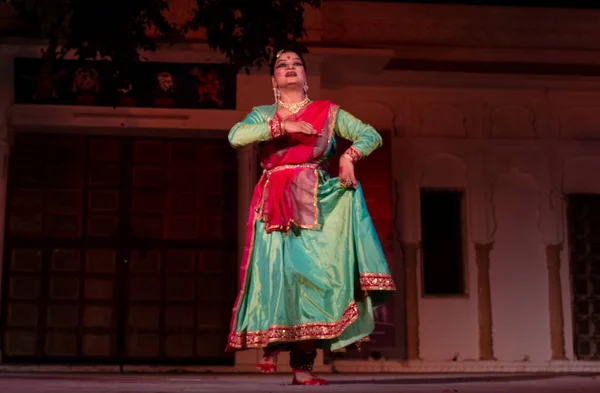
{"x": 276, "y": 94}
{"x": 305, "y": 88}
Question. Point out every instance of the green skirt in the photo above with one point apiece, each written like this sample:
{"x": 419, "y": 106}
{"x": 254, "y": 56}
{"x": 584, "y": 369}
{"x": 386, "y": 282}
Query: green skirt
{"x": 313, "y": 284}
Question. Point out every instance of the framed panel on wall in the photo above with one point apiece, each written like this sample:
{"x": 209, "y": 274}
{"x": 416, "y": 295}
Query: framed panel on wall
{"x": 146, "y": 84}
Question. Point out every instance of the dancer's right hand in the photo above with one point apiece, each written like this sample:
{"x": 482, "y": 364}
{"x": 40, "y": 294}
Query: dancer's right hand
{"x": 297, "y": 127}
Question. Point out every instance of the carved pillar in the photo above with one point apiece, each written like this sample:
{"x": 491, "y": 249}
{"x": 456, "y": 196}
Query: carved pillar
{"x": 484, "y": 301}
{"x": 6, "y": 98}
{"x": 4, "y": 153}
{"x": 557, "y": 335}
{"x": 412, "y": 300}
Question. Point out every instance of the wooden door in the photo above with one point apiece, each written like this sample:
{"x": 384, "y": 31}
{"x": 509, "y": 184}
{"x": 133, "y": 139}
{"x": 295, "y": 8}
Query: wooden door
{"x": 584, "y": 249}
{"x": 119, "y": 250}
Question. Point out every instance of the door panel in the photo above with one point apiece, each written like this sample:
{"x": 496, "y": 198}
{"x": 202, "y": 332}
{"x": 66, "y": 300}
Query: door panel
{"x": 584, "y": 249}
{"x": 119, "y": 250}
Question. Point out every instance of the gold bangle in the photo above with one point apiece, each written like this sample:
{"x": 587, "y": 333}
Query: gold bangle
{"x": 282, "y": 126}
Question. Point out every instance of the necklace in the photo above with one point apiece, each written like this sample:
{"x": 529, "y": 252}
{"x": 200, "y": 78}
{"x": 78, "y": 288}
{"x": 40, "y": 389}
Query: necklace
{"x": 295, "y": 108}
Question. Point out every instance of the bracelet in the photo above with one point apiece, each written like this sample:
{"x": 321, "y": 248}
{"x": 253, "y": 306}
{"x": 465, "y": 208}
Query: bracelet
{"x": 275, "y": 129}
{"x": 282, "y": 126}
{"x": 352, "y": 154}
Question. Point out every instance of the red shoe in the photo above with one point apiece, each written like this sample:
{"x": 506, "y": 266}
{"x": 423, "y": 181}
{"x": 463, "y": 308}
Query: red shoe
{"x": 266, "y": 368}
{"x": 314, "y": 381}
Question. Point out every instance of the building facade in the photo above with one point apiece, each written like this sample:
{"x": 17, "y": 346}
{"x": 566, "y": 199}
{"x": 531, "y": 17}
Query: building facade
{"x": 484, "y": 197}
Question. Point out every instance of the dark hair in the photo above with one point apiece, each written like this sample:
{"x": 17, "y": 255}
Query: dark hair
{"x": 283, "y": 50}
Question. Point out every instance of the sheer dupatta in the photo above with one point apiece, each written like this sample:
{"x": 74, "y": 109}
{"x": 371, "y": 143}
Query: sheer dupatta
{"x": 286, "y": 195}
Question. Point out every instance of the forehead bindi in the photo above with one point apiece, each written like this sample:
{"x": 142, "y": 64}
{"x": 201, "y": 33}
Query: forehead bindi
{"x": 285, "y": 58}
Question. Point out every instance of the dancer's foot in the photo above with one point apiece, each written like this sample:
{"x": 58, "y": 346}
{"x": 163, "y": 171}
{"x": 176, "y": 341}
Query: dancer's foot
{"x": 302, "y": 377}
{"x": 268, "y": 363}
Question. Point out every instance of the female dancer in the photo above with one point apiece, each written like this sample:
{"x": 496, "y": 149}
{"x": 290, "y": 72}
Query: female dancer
{"x": 313, "y": 268}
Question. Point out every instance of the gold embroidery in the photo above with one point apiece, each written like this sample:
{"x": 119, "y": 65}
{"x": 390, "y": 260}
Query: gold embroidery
{"x": 352, "y": 154}
{"x": 291, "y": 333}
{"x": 377, "y": 282}
{"x": 315, "y": 192}
{"x": 291, "y": 166}
{"x": 332, "y": 121}
{"x": 275, "y": 128}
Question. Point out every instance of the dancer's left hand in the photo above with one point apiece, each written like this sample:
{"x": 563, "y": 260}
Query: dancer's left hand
{"x": 347, "y": 178}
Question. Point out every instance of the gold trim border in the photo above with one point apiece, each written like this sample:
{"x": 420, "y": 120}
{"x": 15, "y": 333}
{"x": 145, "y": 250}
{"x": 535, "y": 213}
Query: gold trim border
{"x": 293, "y": 333}
{"x": 377, "y": 282}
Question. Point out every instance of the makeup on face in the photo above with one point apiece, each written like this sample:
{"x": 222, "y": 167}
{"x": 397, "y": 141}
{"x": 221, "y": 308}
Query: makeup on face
{"x": 288, "y": 60}
{"x": 289, "y": 70}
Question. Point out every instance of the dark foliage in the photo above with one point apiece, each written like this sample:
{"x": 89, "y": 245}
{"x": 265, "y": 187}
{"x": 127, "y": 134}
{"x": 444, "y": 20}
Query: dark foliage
{"x": 244, "y": 30}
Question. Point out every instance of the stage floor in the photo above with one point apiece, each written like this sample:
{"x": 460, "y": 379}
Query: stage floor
{"x": 371, "y": 383}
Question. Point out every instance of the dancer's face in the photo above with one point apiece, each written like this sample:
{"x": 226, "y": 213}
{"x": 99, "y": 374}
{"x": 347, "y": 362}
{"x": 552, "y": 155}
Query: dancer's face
{"x": 289, "y": 71}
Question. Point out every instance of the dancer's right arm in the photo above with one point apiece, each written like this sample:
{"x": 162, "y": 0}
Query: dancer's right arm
{"x": 255, "y": 128}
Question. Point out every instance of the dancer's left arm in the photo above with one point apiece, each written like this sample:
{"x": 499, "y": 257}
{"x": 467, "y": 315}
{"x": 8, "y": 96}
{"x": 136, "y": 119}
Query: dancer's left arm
{"x": 365, "y": 140}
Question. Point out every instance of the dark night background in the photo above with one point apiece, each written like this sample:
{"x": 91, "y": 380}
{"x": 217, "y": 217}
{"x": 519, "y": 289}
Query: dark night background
{"x": 511, "y": 3}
